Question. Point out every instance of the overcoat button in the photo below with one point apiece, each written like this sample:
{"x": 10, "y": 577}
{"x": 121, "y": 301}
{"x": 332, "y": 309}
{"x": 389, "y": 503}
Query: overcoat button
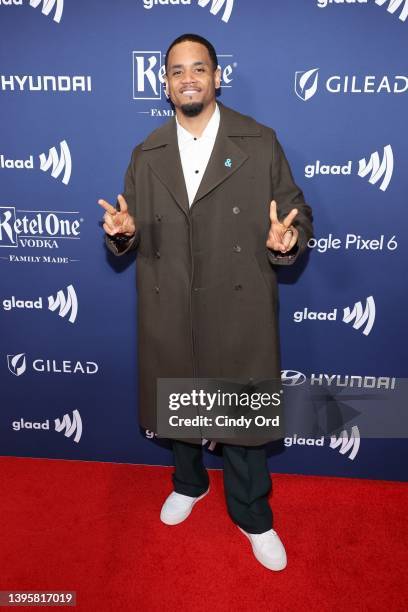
{"x": 157, "y": 254}
{"x": 236, "y": 210}
{"x": 157, "y": 289}
{"x": 158, "y": 217}
{"x": 237, "y": 248}
{"x": 238, "y": 287}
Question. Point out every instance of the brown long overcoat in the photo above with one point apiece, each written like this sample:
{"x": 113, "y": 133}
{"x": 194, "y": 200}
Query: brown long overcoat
{"x": 206, "y": 284}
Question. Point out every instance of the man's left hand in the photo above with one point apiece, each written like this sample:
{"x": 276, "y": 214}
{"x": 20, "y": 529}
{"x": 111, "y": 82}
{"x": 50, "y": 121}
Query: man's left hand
{"x": 282, "y": 235}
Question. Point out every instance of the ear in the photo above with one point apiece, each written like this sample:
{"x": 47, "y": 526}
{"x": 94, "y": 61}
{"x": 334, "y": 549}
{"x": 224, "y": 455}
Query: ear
{"x": 217, "y": 76}
{"x": 166, "y": 86}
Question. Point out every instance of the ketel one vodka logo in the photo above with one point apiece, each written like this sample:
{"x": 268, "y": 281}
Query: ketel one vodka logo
{"x": 149, "y": 70}
{"x": 34, "y": 229}
{"x": 309, "y": 82}
{"x": 52, "y": 8}
{"x": 377, "y": 169}
{"x": 64, "y": 304}
{"x": 58, "y": 164}
{"x": 70, "y": 427}
{"x": 361, "y": 318}
{"x": 17, "y": 365}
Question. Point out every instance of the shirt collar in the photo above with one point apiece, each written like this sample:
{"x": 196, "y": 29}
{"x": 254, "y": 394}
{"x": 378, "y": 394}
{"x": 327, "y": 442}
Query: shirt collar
{"x": 210, "y": 130}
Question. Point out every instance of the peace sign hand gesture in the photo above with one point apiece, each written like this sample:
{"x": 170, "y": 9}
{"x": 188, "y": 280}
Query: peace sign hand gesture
{"x": 118, "y": 221}
{"x": 282, "y": 235}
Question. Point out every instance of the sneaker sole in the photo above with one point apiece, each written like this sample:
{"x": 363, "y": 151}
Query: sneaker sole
{"x": 261, "y": 561}
{"x": 176, "y": 522}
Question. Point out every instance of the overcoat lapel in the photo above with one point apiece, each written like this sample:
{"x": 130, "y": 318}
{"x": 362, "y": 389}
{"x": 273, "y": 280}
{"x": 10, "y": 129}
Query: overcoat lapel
{"x": 226, "y": 158}
{"x": 166, "y": 163}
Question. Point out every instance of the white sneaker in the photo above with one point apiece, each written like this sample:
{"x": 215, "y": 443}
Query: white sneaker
{"x": 268, "y": 549}
{"x": 177, "y": 507}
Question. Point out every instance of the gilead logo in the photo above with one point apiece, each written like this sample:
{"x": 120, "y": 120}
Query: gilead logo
{"x": 17, "y": 365}
{"x": 306, "y": 84}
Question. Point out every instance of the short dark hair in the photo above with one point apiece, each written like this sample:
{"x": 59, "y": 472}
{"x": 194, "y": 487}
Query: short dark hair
{"x": 198, "y": 39}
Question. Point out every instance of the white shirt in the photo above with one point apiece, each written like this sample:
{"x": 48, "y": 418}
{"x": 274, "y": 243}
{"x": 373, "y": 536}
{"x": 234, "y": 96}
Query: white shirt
{"x": 195, "y": 152}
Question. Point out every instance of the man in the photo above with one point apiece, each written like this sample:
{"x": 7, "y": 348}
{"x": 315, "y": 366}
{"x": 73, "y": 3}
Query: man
{"x": 211, "y": 206}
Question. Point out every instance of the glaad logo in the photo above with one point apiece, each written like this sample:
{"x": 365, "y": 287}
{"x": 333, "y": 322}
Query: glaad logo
{"x": 394, "y": 5}
{"x": 324, "y": 3}
{"x": 347, "y": 443}
{"x": 215, "y": 8}
{"x": 361, "y": 317}
{"x": 48, "y": 5}
{"x": 70, "y": 427}
{"x": 58, "y": 163}
{"x": 306, "y": 84}
{"x": 17, "y": 365}
{"x": 379, "y": 169}
{"x": 211, "y": 444}
{"x": 149, "y": 70}
{"x": 66, "y": 424}
{"x": 357, "y": 314}
{"x": 66, "y": 305}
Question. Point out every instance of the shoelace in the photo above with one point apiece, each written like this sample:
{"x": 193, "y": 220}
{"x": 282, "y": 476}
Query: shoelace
{"x": 265, "y": 537}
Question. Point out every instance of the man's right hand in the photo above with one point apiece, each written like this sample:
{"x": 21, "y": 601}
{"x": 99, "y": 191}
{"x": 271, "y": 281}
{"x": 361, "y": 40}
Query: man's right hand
{"x": 118, "y": 221}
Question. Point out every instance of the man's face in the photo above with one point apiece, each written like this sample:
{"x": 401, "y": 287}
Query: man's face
{"x": 191, "y": 80}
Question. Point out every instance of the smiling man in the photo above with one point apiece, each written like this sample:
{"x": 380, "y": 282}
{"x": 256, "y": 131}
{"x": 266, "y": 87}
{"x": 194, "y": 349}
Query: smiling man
{"x": 211, "y": 207}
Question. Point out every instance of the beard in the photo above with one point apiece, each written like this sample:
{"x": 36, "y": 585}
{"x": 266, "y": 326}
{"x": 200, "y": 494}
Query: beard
{"x": 192, "y": 110}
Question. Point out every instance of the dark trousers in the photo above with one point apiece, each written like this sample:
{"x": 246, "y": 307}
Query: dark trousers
{"x": 247, "y": 482}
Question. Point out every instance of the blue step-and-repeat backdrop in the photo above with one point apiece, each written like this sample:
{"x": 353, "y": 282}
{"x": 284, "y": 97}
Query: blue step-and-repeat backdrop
{"x": 81, "y": 83}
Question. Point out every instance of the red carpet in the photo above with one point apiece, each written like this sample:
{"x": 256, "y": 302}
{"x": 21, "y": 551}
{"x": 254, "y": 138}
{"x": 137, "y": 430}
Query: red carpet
{"x": 94, "y": 528}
